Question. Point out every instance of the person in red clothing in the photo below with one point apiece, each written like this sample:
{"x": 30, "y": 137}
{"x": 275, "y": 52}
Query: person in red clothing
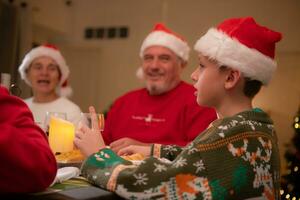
{"x": 27, "y": 163}
{"x": 165, "y": 111}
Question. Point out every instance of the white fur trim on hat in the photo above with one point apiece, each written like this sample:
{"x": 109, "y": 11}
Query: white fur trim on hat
{"x": 161, "y": 38}
{"x": 230, "y": 52}
{"x": 50, "y": 52}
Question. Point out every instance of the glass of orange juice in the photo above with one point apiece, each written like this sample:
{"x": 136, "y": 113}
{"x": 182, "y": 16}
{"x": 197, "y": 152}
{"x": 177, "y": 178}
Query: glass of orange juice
{"x": 61, "y": 135}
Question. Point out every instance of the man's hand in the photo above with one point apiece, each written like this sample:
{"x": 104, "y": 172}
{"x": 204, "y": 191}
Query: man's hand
{"x": 133, "y": 149}
{"x": 125, "y": 142}
{"x": 87, "y": 140}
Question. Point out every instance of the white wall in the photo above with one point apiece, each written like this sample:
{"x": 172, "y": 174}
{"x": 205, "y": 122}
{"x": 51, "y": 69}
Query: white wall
{"x": 117, "y": 59}
{"x": 103, "y": 70}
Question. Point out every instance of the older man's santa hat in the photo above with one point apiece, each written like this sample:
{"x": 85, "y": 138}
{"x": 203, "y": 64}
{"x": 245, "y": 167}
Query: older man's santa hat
{"x": 242, "y": 44}
{"x": 163, "y": 36}
{"x": 53, "y": 52}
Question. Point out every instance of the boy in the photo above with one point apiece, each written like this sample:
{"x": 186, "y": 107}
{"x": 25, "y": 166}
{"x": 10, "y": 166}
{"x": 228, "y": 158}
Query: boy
{"x": 236, "y": 157}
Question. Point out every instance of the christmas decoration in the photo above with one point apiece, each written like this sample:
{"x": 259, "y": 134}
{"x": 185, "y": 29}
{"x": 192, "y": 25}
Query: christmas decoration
{"x": 290, "y": 184}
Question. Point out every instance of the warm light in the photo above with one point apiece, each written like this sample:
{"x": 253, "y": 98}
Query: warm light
{"x": 294, "y": 198}
{"x": 281, "y": 192}
{"x": 61, "y": 135}
{"x": 290, "y": 187}
{"x": 287, "y": 196}
{"x": 295, "y": 168}
{"x": 296, "y": 125}
{"x": 296, "y": 119}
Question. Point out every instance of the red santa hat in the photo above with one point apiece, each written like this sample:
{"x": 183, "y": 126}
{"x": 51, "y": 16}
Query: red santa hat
{"x": 242, "y": 44}
{"x": 53, "y": 52}
{"x": 162, "y": 36}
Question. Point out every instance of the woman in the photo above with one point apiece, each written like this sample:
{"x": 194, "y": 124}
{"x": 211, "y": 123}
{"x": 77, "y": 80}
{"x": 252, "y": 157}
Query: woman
{"x": 45, "y": 70}
{"x": 27, "y": 162}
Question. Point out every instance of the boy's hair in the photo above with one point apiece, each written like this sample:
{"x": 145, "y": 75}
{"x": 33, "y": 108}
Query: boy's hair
{"x": 251, "y": 87}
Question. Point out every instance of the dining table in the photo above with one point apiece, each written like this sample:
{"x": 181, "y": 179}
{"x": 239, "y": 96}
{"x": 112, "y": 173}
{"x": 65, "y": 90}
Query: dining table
{"x": 73, "y": 189}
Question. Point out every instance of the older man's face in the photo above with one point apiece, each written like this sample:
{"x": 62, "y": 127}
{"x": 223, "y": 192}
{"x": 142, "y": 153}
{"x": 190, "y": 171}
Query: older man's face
{"x": 162, "y": 69}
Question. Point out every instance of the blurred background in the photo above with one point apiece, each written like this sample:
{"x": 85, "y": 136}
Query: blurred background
{"x": 101, "y": 39}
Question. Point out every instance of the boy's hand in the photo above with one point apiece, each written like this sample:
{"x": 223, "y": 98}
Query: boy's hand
{"x": 87, "y": 140}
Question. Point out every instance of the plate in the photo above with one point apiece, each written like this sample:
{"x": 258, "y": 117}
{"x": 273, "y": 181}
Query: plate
{"x": 69, "y": 164}
{"x": 73, "y": 158}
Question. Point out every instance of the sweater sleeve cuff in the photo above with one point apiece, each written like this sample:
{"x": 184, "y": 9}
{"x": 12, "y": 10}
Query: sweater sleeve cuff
{"x": 156, "y": 150}
{"x": 105, "y": 158}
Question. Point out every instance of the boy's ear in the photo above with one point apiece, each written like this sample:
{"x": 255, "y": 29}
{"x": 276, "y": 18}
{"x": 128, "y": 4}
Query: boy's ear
{"x": 232, "y": 78}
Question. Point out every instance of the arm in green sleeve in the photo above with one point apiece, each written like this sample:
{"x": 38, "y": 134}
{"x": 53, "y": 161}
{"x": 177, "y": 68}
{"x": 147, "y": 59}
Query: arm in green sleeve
{"x": 169, "y": 152}
{"x": 235, "y": 167}
{"x": 152, "y": 178}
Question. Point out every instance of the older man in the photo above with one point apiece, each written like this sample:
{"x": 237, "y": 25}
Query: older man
{"x": 165, "y": 111}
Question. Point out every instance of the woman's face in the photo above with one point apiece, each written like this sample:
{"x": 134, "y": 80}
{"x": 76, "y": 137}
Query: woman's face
{"x": 44, "y": 75}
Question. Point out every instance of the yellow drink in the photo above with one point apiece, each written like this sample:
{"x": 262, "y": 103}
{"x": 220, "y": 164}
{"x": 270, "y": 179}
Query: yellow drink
{"x": 61, "y": 135}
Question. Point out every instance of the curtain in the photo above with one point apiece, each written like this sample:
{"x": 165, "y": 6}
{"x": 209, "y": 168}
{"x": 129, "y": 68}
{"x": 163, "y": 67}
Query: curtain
{"x": 15, "y": 41}
{"x": 9, "y": 21}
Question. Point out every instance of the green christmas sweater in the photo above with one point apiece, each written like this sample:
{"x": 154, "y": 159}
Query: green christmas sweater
{"x": 235, "y": 158}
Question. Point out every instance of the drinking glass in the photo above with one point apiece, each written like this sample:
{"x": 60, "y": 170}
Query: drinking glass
{"x": 60, "y": 115}
{"x": 61, "y": 135}
{"x": 86, "y": 119}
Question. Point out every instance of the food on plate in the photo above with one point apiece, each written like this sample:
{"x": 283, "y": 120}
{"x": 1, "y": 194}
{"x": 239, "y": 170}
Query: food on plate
{"x": 72, "y": 156}
{"x": 136, "y": 156}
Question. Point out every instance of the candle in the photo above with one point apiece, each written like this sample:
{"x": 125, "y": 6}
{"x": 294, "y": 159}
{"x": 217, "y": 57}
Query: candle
{"x": 61, "y": 135}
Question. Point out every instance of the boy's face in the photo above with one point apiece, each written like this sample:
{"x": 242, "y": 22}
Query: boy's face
{"x": 209, "y": 82}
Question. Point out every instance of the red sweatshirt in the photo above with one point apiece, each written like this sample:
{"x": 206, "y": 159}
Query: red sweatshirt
{"x": 27, "y": 163}
{"x": 170, "y": 118}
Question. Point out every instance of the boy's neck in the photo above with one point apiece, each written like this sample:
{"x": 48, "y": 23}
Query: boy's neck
{"x": 232, "y": 106}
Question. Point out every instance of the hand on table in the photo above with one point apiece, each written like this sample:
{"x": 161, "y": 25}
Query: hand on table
{"x": 119, "y": 144}
{"x": 145, "y": 150}
{"x": 87, "y": 140}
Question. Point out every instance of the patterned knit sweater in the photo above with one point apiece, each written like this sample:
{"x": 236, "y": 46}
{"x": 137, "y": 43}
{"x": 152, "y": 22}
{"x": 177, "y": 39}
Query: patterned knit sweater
{"x": 235, "y": 158}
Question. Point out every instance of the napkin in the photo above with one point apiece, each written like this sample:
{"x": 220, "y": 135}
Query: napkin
{"x": 66, "y": 173}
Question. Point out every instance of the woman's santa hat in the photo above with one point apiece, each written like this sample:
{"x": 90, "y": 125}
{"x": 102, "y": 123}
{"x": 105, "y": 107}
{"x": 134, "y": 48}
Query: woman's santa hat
{"x": 162, "y": 36}
{"x": 242, "y": 44}
{"x": 53, "y": 52}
